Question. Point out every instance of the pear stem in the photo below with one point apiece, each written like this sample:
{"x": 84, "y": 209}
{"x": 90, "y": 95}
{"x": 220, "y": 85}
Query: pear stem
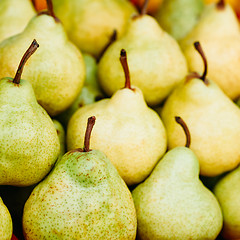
{"x": 50, "y": 10}
{"x": 185, "y": 129}
{"x": 33, "y": 47}
{"x": 221, "y": 4}
{"x": 90, "y": 124}
{"x": 198, "y": 47}
{"x": 144, "y": 8}
{"x": 123, "y": 60}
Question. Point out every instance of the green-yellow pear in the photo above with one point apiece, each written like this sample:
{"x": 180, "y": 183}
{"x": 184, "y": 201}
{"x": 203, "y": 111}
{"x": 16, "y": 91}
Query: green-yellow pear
{"x": 56, "y": 71}
{"x": 129, "y": 132}
{"x": 14, "y": 16}
{"x": 82, "y": 198}
{"x": 61, "y": 135}
{"x": 155, "y": 59}
{"x": 89, "y": 23}
{"x": 227, "y": 192}
{"x": 6, "y": 226}
{"x": 28, "y": 139}
{"x": 218, "y": 30}
{"x": 178, "y": 17}
{"x": 213, "y": 119}
{"x": 173, "y": 204}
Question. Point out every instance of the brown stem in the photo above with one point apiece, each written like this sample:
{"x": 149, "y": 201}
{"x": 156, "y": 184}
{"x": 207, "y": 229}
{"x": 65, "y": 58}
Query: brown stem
{"x": 90, "y": 124}
{"x": 198, "y": 47}
{"x": 185, "y": 129}
{"x": 220, "y": 4}
{"x": 144, "y": 8}
{"x": 33, "y": 47}
{"x": 123, "y": 60}
{"x": 50, "y": 10}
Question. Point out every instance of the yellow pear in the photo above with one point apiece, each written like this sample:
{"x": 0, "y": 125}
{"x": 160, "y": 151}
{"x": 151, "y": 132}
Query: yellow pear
{"x": 129, "y": 132}
{"x": 6, "y": 226}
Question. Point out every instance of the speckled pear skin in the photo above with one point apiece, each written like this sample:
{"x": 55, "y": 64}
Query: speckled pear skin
{"x": 6, "y": 227}
{"x": 29, "y": 145}
{"x": 173, "y": 203}
{"x": 56, "y": 71}
{"x": 82, "y": 198}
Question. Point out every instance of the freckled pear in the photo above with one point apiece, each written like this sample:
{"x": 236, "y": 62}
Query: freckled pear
{"x": 83, "y": 197}
{"x": 6, "y": 226}
{"x": 29, "y": 145}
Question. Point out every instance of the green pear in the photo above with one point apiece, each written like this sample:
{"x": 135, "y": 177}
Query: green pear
{"x": 213, "y": 119}
{"x": 155, "y": 59}
{"x": 89, "y": 23}
{"x": 129, "y": 132}
{"x": 56, "y": 71}
{"x": 82, "y": 198}
{"x": 61, "y": 135}
{"x": 172, "y": 203}
{"x": 178, "y": 17}
{"x": 6, "y": 227}
{"x": 14, "y": 16}
{"x": 218, "y": 31}
{"x": 228, "y": 194}
{"x": 90, "y": 92}
{"x": 29, "y": 141}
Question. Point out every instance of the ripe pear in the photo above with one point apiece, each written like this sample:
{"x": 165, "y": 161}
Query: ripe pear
{"x": 213, "y": 119}
{"x": 218, "y": 30}
{"x": 228, "y": 194}
{"x": 56, "y": 71}
{"x": 155, "y": 59}
{"x": 14, "y": 16}
{"x": 172, "y": 203}
{"x": 82, "y": 198}
{"x": 28, "y": 139}
{"x": 89, "y": 23}
{"x": 178, "y": 17}
{"x": 6, "y": 226}
{"x": 129, "y": 132}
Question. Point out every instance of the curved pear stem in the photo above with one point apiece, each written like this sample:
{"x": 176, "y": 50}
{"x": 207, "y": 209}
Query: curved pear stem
{"x": 123, "y": 60}
{"x": 144, "y": 8}
{"x": 90, "y": 124}
{"x": 185, "y": 129}
{"x": 198, "y": 47}
{"x": 221, "y": 4}
{"x": 33, "y": 47}
{"x": 50, "y": 10}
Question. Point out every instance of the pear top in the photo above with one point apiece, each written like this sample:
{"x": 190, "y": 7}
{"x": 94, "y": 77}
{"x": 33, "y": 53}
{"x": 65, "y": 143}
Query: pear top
{"x": 180, "y": 121}
{"x": 49, "y": 11}
{"x": 221, "y": 4}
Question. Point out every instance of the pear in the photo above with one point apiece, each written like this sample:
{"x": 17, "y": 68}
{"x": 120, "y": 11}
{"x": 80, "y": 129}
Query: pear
{"x": 14, "y": 16}
{"x": 172, "y": 203}
{"x": 213, "y": 119}
{"x": 178, "y": 17}
{"x": 155, "y": 59}
{"x": 6, "y": 227}
{"x": 89, "y": 23}
{"x": 29, "y": 141}
{"x": 228, "y": 193}
{"x": 82, "y": 198}
{"x": 129, "y": 132}
{"x": 56, "y": 71}
{"x": 61, "y": 135}
{"x": 218, "y": 31}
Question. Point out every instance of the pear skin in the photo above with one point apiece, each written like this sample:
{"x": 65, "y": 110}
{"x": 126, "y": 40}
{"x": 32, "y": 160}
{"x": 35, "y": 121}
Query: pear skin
{"x": 6, "y": 226}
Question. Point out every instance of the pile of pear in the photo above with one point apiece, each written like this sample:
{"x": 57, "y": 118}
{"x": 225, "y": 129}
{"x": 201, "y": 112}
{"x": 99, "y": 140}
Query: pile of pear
{"x": 117, "y": 124}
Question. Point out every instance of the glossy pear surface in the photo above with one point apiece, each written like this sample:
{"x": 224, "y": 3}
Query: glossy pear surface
{"x": 127, "y": 131}
{"x": 82, "y": 198}
{"x": 172, "y": 203}
{"x": 14, "y": 16}
{"x": 155, "y": 60}
{"x": 6, "y": 227}
{"x": 90, "y": 23}
{"x": 56, "y": 70}
{"x": 28, "y": 139}
{"x": 228, "y": 194}
{"x": 213, "y": 121}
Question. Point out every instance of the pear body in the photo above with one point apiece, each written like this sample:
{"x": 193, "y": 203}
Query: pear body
{"x": 56, "y": 71}
{"x": 28, "y": 140}
{"x": 228, "y": 194}
{"x": 90, "y": 23}
{"x": 6, "y": 227}
{"x": 178, "y": 17}
{"x": 14, "y": 16}
{"x": 82, "y": 198}
{"x": 172, "y": 203}
{"x": 155, "y": 60}
{"x": 213, "y": 121}
{"x": 220, "y": 43}
{"x": 127, "y": 131}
